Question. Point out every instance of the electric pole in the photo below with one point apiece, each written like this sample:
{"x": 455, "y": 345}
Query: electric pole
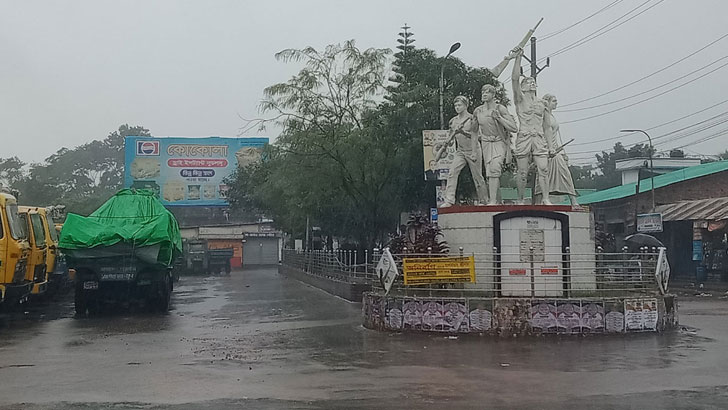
{"x": 535, "y": 69}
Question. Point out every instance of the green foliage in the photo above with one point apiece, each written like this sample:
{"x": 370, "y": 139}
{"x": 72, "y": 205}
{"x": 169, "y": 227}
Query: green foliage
{"x": 81, "y": 178}
{"x": 347, "y": 160}
{"x": 420, "y": 236}
{"x": 11, "y": 171}
{"x": 606, "y": 162}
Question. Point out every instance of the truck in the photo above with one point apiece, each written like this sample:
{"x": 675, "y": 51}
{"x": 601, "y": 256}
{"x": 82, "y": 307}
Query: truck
{"x": 200, "y": 258}
{"x": 14, "y": 252}
{"x": 123, "y": 252}
{"x": 36, "y": 270}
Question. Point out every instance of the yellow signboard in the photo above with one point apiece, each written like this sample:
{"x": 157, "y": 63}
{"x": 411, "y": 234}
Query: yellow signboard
{"x": 420, "y": 271}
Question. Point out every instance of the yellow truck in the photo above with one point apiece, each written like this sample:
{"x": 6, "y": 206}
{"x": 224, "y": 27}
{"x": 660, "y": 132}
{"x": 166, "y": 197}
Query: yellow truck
{"x": 36, "y": 270}
{"x": 14, "y": 252}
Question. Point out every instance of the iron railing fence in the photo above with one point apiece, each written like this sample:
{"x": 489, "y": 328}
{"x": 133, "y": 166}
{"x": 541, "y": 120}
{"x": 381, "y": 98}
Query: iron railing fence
{"x": 542, "y": 275}
{"x": 339, "y": 265}
{"x": 498, "y": 274}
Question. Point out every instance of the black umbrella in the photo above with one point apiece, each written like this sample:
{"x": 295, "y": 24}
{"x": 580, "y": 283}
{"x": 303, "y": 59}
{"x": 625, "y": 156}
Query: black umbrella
{"x": 642, "y": 239}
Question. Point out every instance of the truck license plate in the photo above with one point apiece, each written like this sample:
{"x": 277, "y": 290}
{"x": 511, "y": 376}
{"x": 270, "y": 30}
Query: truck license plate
{"x": 90, "y": 285}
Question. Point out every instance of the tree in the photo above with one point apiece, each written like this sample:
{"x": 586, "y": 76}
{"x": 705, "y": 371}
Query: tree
{"x": 11, "y": 171}
{"x": 81, "y": 178}
{"x": 348, "y": 160}
{"x": 606, "y": 162}
{"x": 323, "y": 164}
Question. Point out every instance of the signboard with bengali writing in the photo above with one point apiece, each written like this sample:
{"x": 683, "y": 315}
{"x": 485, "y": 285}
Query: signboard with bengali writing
{"x": 420, "y": 271}
{"x": 187, "y": 171}
{"x": 647, "y": 223}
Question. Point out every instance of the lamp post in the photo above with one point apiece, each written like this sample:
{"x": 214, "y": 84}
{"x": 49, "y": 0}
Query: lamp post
{"x": 652, "y": 170}
{"x": 453, "y": 48}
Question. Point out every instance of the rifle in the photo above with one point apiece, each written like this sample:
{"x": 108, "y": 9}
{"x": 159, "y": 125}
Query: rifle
{"x": 453, "y": 133}
{"x": 528, "y": 36}
{"x": 561, "y": 148}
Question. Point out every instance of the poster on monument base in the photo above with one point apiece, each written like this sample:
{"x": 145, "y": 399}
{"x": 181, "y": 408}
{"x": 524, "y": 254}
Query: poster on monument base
{"x": 614, "y": 317}
{"x": 543, "y": 316}
{"x": 649, "y": 314}
{"x": 480, "y": 314}
{"x": 432, "y": 316}
{"x": 412, "y": 314}
{"x": 633, "y": 315}
{"x": 455, "y": 317}
{"x": 568, "y": 316}
{"x": 377, "y": 315}
{"x": 592, "y": 317}
{"x": 393, "y": 314}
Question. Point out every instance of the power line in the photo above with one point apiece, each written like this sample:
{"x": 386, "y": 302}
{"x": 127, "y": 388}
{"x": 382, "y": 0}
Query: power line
{"x": 646, "y": 91}
{"x": 646, "y": 99}
{"x": 676, "y": 134}
{"x": 653, "y": 127}
{"x": 720, "y": 133}
{"x": 594, "y": 34}
{"x": 597, "y": 33}
{"x": 557, "y": 32}
{"x": 649, "y": 75}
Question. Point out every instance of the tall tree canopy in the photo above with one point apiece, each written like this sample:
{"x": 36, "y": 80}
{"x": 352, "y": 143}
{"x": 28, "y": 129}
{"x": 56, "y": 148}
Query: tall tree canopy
{"x": 81, "y": 178}
{"x": 350, "y": 155}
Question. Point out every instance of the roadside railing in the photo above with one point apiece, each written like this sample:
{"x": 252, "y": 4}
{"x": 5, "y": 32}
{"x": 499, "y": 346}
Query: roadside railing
{"x": 537, "y": 275}
{"x": 339, "y": 265}
{"x": 499, "y": 274}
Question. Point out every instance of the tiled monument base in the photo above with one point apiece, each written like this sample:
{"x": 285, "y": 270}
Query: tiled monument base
{"x": 509, "y": 317}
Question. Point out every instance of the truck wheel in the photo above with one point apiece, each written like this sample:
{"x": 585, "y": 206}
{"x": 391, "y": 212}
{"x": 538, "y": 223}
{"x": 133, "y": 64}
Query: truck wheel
{"x": 80, "y": 300}
{"x": 165, "y": 297}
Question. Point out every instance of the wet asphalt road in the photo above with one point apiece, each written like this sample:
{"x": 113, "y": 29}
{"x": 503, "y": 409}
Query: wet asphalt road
{"x": 262, "y": 341}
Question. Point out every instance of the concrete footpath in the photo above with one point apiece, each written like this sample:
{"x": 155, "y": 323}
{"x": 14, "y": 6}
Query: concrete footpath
{"x": 260, "y": 340}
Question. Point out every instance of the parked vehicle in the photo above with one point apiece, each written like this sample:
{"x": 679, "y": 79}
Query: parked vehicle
{"x": 36, "y": 270}
{"x": 14, "y": 252}
{"x": 122, "y": 252}
{"x": 199, "y": 258}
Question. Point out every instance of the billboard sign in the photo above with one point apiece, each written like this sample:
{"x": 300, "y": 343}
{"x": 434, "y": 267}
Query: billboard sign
{"x": 187, "y": 171}
{"x": 647, "y": 223}
{"x": 432, "y": 142}
{"x": 421, "y": 271}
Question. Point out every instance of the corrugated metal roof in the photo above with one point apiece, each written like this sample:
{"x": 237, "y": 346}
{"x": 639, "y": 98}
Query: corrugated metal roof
{"x": 670, "y": 178}
{"x": 714, "y": 209}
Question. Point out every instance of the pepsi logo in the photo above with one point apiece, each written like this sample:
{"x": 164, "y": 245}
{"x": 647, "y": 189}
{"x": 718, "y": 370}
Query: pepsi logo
{"x": 147, "y": 148}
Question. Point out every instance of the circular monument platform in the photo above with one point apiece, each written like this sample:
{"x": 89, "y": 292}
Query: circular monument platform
{"x": 534, "y": 269}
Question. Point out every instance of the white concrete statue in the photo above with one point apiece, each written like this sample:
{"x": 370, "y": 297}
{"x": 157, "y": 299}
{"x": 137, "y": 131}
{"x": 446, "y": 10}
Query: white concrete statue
{"x": 560, "y": 181}
{"x": 531, "y": 143}
{"x": 467, "y": 152}
{"x": 493, "y": 124}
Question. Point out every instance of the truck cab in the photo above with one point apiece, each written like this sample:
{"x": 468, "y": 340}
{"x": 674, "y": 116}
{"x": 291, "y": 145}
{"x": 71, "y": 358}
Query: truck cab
{"x": 36, "y": 271}
{"x": 14, "y": 252}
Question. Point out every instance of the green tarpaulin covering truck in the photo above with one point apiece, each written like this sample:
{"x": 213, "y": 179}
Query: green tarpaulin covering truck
{"x": 123, "y": 251}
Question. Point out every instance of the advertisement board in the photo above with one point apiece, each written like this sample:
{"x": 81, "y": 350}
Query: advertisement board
{"x": 187, "y": 171}
{"x": 432, "y": 141}
{"x": 647, "y": 223}
{"x": 420, "y": 271}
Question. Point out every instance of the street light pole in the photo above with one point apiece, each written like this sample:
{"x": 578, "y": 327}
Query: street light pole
{"x": 652, "y": 169}
{"x": 453, "y": 48}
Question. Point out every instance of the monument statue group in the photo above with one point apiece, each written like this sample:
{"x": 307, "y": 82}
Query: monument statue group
{"x": 483, "y": 141}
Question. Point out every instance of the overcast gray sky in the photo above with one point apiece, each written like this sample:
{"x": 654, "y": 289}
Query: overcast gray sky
{"x": 73, "y": 71}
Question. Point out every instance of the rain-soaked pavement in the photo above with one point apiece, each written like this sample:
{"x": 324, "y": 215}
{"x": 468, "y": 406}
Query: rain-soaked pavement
{"x": 262, "y": 341}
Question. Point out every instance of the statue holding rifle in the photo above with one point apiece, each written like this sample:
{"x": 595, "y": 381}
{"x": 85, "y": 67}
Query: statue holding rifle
{"x": 467, "y": 152}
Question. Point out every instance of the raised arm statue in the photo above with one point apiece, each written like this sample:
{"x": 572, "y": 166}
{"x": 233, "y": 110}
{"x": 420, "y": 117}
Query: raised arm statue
{"x": 531, "y": 144}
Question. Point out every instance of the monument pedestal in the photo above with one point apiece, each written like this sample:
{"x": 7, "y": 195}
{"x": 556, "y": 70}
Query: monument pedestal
{"x": 525, "y": 250}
